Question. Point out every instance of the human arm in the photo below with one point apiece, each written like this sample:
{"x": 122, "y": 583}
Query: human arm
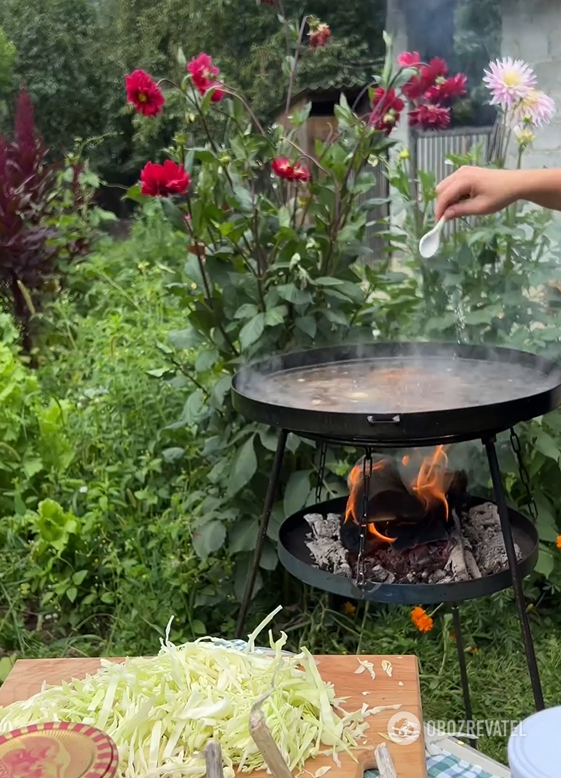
{"x": 471, "y": 191}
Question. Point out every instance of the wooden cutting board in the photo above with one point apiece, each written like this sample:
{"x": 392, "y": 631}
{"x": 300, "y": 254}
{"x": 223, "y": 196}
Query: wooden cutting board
{"x": 28, "y": 675}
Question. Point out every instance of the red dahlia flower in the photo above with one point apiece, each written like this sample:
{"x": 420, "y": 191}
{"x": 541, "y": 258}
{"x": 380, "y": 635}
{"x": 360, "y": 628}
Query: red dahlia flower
{"x": 430, "y": 117}
{"x": 319, "y": 35}
{"x": 283, "y": 169}
{"x": 437, "y": 68}
{"x": 446, "y": 90}
{"x": 386, "y": 110}
{"x": 428, "y": 75}
{"x": 144, "y": 93}
{"x": 164, "y": 180}
{"x": 203, "y": 73}
{"x": 301, "y": 172}
{"x": 409, "y": 59}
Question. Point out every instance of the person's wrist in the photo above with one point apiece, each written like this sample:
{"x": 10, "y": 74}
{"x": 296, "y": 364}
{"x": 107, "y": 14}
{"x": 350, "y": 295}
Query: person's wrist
{"x": 519, "y": 185}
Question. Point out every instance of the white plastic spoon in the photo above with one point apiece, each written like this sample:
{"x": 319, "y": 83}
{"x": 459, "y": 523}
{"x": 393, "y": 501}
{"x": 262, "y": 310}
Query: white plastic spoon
{"x": 430, "y": 243}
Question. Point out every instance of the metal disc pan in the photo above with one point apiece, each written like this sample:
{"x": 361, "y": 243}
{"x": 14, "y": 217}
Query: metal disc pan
{"x": 399, "y": 393}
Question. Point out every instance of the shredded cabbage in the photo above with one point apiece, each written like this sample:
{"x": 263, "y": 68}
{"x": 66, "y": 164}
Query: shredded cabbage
{"x": 161, "y": 711}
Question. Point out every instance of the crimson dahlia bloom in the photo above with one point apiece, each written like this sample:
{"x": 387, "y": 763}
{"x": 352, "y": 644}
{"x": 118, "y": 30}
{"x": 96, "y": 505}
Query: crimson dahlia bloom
{"x": 446, "y": 90}
{"x": 301, "y": 172}
{"x": 386, "y": 110}
{"x": 164, "y": 180}
{"x": 144, "y": 93}
{"x": 409, "y": 59}
{"x": 319, "y": 35}
{"x": 204, "y": 73}
{"x": 283, "y": 168}
{"x": 430, "y": 117}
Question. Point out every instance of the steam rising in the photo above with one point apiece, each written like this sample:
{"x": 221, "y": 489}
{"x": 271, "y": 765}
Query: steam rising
{"x": 397, "y": 378}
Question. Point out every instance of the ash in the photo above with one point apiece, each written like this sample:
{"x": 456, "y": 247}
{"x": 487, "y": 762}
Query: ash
{"x": 474, "y": 549}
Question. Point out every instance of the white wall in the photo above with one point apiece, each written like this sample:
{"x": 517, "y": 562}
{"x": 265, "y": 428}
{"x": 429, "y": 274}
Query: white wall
{"x": 532, "y": 32}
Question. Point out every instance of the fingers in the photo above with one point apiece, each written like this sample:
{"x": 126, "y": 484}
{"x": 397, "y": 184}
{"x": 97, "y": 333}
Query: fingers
{"x": 452, "y": 193}
{"x": 474, "y": 206}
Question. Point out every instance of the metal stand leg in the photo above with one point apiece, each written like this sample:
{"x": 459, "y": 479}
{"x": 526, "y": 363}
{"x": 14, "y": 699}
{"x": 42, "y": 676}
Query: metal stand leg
{"x": 463, "y": 667}
{"x": 263, "y": 527}
{"x": 500, "y": 498}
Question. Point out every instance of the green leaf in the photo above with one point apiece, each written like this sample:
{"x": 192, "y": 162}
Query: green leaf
{"x": 198, "y": 627}
{"x": 6, "y": 664}
{"x": 308, "y": 325}
{"x": 209, "y": 538}
{"x": 133, "y": 193}
{"x": 79, "y": 577}
{"x": 157, "y": 372}
{"x": 292, "y": 294}
{"x": 241, "y": 574}
{"x": 297, "y": 492}
{"x": 243, "y": 536}
{"x": 276, "y": 315}
{"x": 243, "y": 196}
{"x": 194, "y": 407}
{"x": 244, "y": 467}
{"x": 206, "y": 359}
{"x": 269, "y": 557}
{"x": 72, "y": 593}
{"x": 173, "y": 454}
{"x": 547, "y": 445}
{"x": 298, "y": 118}
{"x": 546, "y": 562}
{"x": 174, "y": 214}
{"x": 181, "y": 58}
{"x": 327, "y": 281}
{"x": 484, "y": 315}
{"x": 32, "y": 466}
{"x": 285, "y": 216}
{"x": 252, "y": 331}
{"x": 223, "y": 386}
{"x": 246, "y": 311}
{"x": 185, "y": 339}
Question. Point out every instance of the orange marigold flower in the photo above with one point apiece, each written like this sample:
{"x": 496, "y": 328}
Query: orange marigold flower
{"x": 558, "y": 541}
{"x": 421, "y": 619}
{"x": 349, "y": 609}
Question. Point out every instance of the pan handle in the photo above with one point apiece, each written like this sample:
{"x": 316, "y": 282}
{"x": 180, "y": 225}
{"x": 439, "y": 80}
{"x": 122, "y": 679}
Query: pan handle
{"x": 383, "y": 418}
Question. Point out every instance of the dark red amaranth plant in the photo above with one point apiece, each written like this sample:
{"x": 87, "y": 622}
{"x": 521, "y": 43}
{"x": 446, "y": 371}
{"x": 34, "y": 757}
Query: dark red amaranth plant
{"x": 26, "y": 181}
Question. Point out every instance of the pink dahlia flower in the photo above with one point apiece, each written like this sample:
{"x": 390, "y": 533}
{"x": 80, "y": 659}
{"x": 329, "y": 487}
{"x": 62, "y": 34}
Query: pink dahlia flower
{"x": 509, "y": 80}
{"x": 536, "y": 108}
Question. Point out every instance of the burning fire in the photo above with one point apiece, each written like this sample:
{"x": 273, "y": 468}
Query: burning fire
{"x": 430, "y": 485}
{"x": 353, "y": 510}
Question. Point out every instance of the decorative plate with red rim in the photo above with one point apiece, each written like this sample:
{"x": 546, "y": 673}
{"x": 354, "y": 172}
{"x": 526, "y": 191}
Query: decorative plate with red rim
{"x": 58, "y": 749}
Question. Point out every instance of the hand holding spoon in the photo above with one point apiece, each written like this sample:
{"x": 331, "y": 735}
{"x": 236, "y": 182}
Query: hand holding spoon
{"x": 430, "y": 243}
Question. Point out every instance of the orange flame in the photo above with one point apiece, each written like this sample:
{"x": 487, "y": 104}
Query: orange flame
{"x": 352, "y": 513}
{"x": 431, "y": 485}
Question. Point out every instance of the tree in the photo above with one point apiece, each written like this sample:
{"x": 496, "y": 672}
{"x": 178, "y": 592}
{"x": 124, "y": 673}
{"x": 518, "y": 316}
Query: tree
{"x": 61, "y": 60}
{"x": 7, "y": 56}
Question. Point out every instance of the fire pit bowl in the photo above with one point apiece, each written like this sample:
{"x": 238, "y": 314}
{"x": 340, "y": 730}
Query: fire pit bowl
{"x": 397, "y": 392}
{"x": 295, "y": 556}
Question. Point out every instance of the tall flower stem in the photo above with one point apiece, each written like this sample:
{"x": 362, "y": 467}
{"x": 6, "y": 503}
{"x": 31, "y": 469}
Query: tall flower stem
{"x": 295, "y": 64}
